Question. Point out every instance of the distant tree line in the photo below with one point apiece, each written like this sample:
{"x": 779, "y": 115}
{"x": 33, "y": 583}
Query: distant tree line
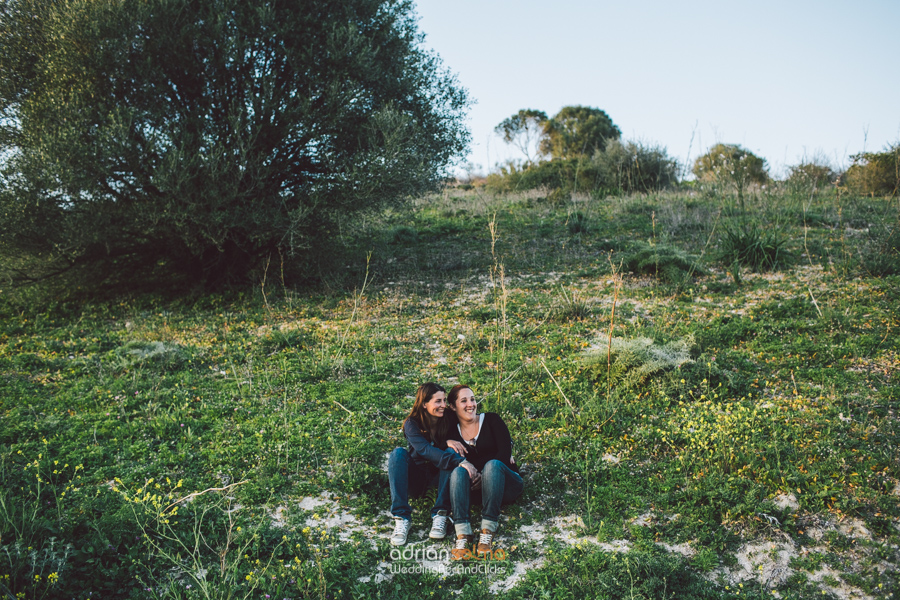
{"x": 580, "y": 149}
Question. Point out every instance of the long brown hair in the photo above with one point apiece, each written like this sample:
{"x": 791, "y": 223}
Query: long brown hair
{"x": 420, "y": 416}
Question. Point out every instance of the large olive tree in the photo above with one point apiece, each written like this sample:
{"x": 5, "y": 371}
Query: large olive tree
{"x": 198, "y": 137}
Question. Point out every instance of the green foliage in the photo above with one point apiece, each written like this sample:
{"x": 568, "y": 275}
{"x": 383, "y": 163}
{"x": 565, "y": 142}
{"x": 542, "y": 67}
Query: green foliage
{"x": 574, "y": 174}
{"x": 636, "y": 167}
{"x": 578, "y": 223}
{"x": 577, "y": 131}
{"x": 879, "y": 255}
{"x": 663, "y": 262}
{"x": 629, "y": 362}
{"x": 616, "y": 168}
{"x": 404, "y": 235}
{"x": 811, "y": 176}
{"x": 874, "y": 173}
{"x": 523, "y": 130}
{"x": 571, "y": 305}
{"x": 151, "y": 140}
{"x": 732, "y": 166}
{"x": 788, "y": 390}
{"x": 751, "y": 246}
{"x": 591, "y": 573}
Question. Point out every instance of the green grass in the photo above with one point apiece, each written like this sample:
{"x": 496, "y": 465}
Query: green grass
{"x": 790, "y": 389}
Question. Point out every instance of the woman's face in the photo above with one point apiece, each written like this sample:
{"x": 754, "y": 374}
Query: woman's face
{"x": 436, "y": 405}
{"x": 466, "y": 406}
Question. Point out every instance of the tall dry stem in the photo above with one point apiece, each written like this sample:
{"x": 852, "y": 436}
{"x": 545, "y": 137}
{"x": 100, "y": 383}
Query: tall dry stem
{"x": 617, "y": 281}
{"x": 500, "y": 335}
{"x": 357, "y": 302}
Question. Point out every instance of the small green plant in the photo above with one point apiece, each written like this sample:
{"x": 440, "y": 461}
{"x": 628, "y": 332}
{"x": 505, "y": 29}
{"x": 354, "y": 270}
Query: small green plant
{"x": 748, "y": 245}
{"x": 571, "y": 305}
{"x": 578, "y": 223}
{"x": 404, "y": 235}
{"x": 666, "y": 263}
{"x": 630, "y": 362}
{"x": 162, "y": 355}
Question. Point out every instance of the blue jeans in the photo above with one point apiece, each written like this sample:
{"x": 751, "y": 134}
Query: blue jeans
{"x": 408, "y": 478}
{"x": 499, "y": 485}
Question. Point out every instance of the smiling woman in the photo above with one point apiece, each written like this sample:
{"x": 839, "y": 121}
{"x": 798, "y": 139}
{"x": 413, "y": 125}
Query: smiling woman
{"x": 488, "y": 445}
{"x": 426, "y": 463}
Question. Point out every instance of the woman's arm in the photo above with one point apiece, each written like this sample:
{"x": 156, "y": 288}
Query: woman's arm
{"x": 442, "y": 459}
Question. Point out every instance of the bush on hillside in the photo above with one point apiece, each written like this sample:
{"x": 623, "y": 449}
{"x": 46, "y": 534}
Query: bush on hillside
{"x": 810, "y": 177}
{"x": 635, "y": 167}
{"x": 617, "y": 168}
{"x": 874, "y": 173}
{"x": 569, "y": 175}
{"x": 731, "y": 166}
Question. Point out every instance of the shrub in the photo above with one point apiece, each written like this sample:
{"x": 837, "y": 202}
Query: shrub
{"x": 571, "y": 306}
{"x": 733, "y": 166}
{"x": 664, "y": 262}
{"x": 634, "y": 167}
{"x": 810, "y": 177}
{"x": 574, "y": 174}
{"x": 578, "y": 223}
{"x": 404, "y": 235}
{"x": 751, "y": 246}
{"x": 874, "y": 174}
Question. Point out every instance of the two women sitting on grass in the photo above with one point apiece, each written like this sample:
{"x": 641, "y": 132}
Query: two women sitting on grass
{"x": 467, "y": 456}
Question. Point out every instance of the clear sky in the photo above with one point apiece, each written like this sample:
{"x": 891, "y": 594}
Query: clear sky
{"x": 784, "y": 79}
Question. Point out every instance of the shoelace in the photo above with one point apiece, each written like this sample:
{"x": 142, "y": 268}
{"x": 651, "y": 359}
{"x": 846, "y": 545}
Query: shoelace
{"x": 486, "y": 538}
{"x": 461, "y": 544}
{"x": 439, "y": 522}
{"x": 401, "y": 526}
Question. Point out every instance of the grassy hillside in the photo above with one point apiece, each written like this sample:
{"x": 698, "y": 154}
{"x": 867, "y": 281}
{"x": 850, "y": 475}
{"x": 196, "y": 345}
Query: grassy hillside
{"x": 704, "y": 402}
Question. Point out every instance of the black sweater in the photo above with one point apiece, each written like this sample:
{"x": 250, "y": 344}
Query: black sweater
{"x": 493, "y": 442}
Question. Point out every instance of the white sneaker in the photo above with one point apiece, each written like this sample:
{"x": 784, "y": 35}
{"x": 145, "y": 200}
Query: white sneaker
{"x": 439, "y": 524}
{"x": 401, "y": 531}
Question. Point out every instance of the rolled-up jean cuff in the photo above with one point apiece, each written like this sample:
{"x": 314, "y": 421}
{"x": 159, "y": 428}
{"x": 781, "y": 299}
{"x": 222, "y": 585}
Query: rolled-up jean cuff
{"x": 491, "y": 526}
{"x": 463, "y": 528}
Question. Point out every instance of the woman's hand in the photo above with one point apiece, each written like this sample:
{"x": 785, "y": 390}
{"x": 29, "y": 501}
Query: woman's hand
{"x": 457, "y": 447}
{"x": 474, "y": 475}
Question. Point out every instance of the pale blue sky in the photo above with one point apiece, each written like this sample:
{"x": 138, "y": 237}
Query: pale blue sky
{"x": 783, "y": 78}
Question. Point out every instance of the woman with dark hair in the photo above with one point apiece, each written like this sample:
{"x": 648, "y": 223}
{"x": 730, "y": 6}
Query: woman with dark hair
{"x": 489, "y": 448}
{"x": 426, "y": 463}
